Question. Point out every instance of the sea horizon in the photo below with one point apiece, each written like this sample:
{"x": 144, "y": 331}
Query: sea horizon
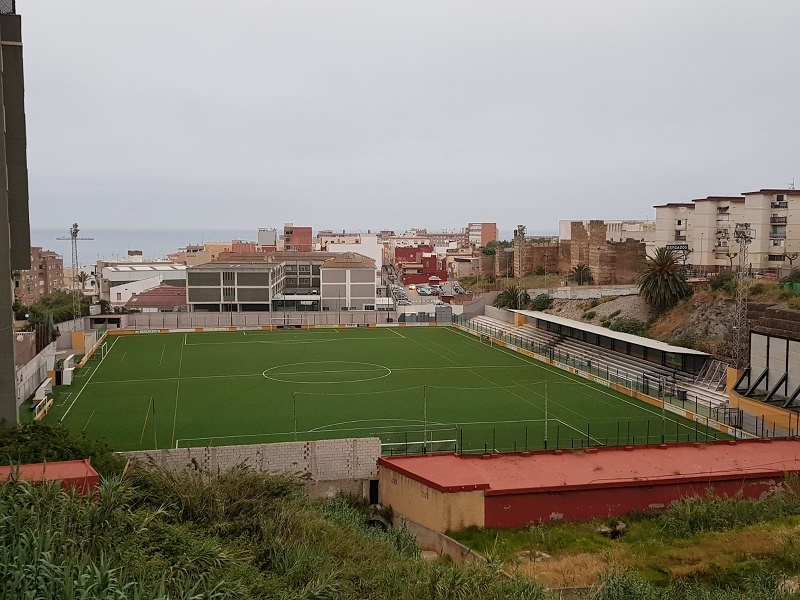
{"x": 111, "y": 243}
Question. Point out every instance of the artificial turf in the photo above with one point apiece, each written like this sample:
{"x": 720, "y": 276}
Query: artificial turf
{"x": 400, "y": 384}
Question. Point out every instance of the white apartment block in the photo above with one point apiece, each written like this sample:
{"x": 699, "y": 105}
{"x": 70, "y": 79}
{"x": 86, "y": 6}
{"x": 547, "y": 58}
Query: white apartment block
{"x": 706, "y": 226}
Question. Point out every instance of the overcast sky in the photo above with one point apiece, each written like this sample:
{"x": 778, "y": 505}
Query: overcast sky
{"x": 376, "y": 114}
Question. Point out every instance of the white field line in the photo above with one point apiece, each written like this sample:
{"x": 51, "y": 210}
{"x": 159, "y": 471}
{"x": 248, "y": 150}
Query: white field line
{"x": 160, "y": 362}
{"x": 394, "y": 332}
{"x": 597, "y": 388}
{"x": 318, "y": 430}
{"x": 69, "y": 408}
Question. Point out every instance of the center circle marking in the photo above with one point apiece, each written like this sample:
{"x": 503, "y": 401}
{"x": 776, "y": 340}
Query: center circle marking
{"x": 382, "y": 371}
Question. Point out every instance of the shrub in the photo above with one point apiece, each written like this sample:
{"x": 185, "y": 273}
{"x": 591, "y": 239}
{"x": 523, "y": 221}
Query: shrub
{"x": 632, "y": 326}
{"x": 605, "y": 323}
{"x": 42, "y": 442}
{"x": 723, "y": 282}
{"x": 541, "y": 302}
{"x": 787, "y": 294}
{"x": 758, "y": 288}
{"x": 589, "y": 315}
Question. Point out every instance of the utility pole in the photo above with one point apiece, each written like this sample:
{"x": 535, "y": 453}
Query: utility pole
{"x": 741, "y": 331}
{"x": 519, "y": 238}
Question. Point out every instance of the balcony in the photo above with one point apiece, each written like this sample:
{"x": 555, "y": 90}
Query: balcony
{"x": 776, "y": 220}
{"x": 779, "y": 205}
{"x": 777, "y": 235}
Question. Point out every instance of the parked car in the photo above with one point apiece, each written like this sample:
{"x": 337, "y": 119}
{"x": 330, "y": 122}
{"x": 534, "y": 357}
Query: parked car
{"x": 403, "y": 303}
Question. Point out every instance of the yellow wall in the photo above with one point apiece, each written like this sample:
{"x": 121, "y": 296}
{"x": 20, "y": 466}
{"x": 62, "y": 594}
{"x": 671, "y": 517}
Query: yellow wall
{"x": 781, "y": 418}
{"x": 429, "y": 507}
{"x": 520, "y": 319}
{"x": 78, "y": 341}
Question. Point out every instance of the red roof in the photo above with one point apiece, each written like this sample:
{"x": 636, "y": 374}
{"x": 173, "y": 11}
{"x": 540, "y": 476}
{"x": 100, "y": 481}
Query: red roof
{"x": 163, "y": 296}
{"x": 605, "y": 467}
{"x": 73, "y": 473}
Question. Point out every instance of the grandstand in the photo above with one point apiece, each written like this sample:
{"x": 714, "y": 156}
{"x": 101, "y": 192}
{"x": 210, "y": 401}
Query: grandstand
{"x": 705, "y": 388}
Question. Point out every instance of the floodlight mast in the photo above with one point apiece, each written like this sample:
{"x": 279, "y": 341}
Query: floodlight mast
{"x": 743, "y": 235}
{"x": 77, "y": 284}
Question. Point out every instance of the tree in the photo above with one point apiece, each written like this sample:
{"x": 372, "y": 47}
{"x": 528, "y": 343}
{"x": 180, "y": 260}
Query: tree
{"x": 541, "y": 302}
{"x": 582, "y": 274}
{"x": 82, "y": 278}
{"x": 731, "y": 256}
{"x": 662, "y": 282}
{"x": 514, "y": 296}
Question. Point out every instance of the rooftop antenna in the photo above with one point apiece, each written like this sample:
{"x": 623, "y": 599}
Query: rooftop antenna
{"x": 77, "y": 284}
{"x": 791, "y": 185}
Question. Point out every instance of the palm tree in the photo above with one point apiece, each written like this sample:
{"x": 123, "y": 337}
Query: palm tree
{"x": 731, "y": 256}
{"x": 582, "y": 274}
{"x": 82, "y": 278}
{"x": 662, "y": 282}
{"x": 514, "y": 296}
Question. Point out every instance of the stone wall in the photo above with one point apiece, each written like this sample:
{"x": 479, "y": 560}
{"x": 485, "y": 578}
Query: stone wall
{"x": 325, "y": 466}
{"x": 773, "y": 319}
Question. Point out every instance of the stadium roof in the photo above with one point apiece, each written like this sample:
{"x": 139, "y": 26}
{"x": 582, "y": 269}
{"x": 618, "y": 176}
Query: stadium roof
{"x": 617, "y": 335}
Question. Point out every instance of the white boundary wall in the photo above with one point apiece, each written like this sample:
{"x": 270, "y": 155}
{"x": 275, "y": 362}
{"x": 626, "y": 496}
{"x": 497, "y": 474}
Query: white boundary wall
{"x": 28, "y": 377}
{"x": 326, "y": 466}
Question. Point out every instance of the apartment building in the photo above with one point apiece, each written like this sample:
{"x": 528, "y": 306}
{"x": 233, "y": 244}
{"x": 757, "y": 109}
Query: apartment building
{"x": 46, "y": 275}
{"x": 480, "y": 234}
{"x": 297, "y": 239}
{"x": 704, "y": 228}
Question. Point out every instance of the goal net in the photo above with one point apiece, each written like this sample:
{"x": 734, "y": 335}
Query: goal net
{"x": 103, "y": 350}
{"x": 288, "y": 321}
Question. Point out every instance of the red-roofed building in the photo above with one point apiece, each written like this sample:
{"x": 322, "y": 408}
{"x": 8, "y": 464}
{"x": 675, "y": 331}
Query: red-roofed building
{"x": 451, "y": 492}
{"x": 73, "y": 474}
{"x": 417, "y": 264}
{"x": 164, "y": 298}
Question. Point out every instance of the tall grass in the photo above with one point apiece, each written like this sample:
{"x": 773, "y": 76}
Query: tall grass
{"x": 628, "y": 586}
{"x": 241, "y": 534}
{"x": 713, "y": 513}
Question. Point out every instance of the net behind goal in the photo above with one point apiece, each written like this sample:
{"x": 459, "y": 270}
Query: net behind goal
{"x": 288, "y": 321}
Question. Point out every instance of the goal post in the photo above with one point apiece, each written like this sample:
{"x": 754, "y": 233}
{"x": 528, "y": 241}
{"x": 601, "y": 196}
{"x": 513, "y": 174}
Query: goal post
{"x": 103, "y": 350}
{"x": 288, "y": 321}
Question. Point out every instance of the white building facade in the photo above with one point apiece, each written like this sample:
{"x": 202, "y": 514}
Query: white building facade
{"x": 705, "y": 229}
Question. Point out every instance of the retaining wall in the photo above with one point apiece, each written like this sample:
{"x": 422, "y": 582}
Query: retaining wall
{"x": 325, "y": 466}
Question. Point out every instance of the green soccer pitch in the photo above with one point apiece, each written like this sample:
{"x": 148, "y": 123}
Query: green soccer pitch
{"x": 405, "y": 385}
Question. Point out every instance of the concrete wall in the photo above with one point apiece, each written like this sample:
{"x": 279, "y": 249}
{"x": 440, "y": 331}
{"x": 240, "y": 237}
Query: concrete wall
{"x": 427, "y": 506}
{"x": 33, "y": 373}
{"x": 515, "y": 510}
{"x": 326, "y": 466}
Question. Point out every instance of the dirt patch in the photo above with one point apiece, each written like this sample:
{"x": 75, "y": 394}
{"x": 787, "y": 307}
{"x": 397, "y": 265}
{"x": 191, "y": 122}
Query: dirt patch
{"x": 575, "y": 570}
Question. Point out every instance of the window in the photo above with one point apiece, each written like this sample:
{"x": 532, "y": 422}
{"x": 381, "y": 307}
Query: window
{"x": 228, "y": 277}
{"x": 780, "y": 198}
{"x": 369, "y": 307}
{"x": 775, "y": 257}
{"x": 119, "y": 296}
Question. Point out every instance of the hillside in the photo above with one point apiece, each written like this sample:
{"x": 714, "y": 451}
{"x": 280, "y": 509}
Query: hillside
{"x": 702, "y": 321}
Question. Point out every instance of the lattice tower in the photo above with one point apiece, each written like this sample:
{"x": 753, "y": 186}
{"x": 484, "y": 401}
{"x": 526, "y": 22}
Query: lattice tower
{"x": 741, "y": 327}
{"x": 77, "y": 284}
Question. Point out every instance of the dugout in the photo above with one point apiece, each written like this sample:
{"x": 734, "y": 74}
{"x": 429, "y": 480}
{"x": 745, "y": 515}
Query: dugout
{"x": 637, "y": 347}
{"x": 452, "y": 492}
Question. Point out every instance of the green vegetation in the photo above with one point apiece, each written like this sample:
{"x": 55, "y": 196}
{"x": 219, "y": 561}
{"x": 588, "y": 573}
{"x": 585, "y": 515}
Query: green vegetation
{"x": 402, "y": 385}
{"x": 725, "y": 282}
{"x": 240, "y": 535}
{"x": 43, "y": 442}
{"x": 514, "y": 297}
{"x": 541, "y": 302}
{"x": 581, "y": 274}
{"x": 491, "y": 248}
{"x": 662, "y": 282}
{"x": 793, "y": 276}
{"x": 589, "y": 315}
{"x": 626, "y": 325}
{"x": 706, "y": 547}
